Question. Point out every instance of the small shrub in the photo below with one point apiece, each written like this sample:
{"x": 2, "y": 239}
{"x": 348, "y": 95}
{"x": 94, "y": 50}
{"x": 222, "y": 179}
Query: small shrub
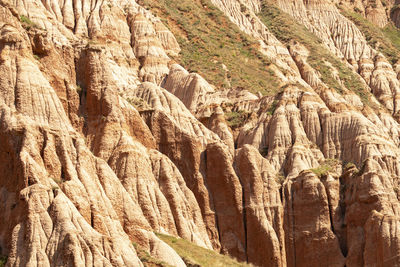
{"x": 92, "y": 42}
{"x": 243, "y": 8}
{"x": 36, "y": 57}
{"x": 3, "y": 261}
{"x": 79, "y": 89}
{"x": 236, "y": 119}
{"x": 395, "y": 189}
{"x": 59, "y": 181}
{"x": 280, "y": 178}
{"x": 327, "y": 166}
{"x": 264, "y": 151}
{"x": 138, "y": 103}
{"x": 272, "y": 108}
{"x": 349, "y": 165}
{"x": 26, "y": 20}
{"x": 27, "y": 23}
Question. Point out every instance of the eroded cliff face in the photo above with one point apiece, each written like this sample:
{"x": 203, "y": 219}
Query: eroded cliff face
{"x": 106, "y": 139}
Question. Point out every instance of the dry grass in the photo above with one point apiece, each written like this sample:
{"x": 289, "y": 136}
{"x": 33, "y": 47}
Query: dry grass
{"x": 286, "y": 29}
{"x": 197, "y": 255}
{"x": 386, "y": 40}
{"x": 209, "y": 39}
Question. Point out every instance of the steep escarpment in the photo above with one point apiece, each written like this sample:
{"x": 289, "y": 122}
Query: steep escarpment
{"x": 268, "y": 132}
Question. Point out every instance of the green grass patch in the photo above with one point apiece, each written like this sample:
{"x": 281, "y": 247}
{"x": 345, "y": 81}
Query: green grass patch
{"x": 25, "y": 19}
{"x": 193, "y": 254}
{"x": 147, "y": 259}
{"x": 349, "y": 165}
{"x": 209, "y": 39}
{"x": 272, "y": 108}
{"x": 392, "y": 33}
{"x": 327, "y": 166}
{"x": 386, "y": 40}
{"x": 286, "y": 29}
{"x": 27, "y": 23}
{"x": 236, "y": 119}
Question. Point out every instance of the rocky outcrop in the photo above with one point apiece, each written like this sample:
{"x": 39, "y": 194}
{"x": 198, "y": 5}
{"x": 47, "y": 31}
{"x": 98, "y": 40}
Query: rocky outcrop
{"x": 377, "y": 12}
{"x": 371, "y": 217}
{"x": 263, "y": 211}
{"x": 191, "y": 89}
{"x": 104, "y": 142}
{"x": 309, "y": 237}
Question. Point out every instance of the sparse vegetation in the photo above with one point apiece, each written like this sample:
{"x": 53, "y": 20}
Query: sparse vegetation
{"x": 26, "y": 22}
{"x": 193, "y": 254}
{"x": 79, "y": 89}
{"x": 236, "y": 119}
{"x": 138, "y": 103}
{"x": 92, "y": 42}
{"x": 396, "y": 191}
{"x": 3, "y": 261}
{"x": 392, "y": 33}
{"x": 59, "y": 181}
{"x": 386, "y": 40}
{"x": 272, "y": 108}
{"x": 327, "y": 166}
{"x": 286, "y": 29}
{"x": 280, "y": 178}
{"x": 209, "y": 39}
{"x": 147, "y": 259}
{"x": 36, "y": 57}
{"x": 349, "y": 165}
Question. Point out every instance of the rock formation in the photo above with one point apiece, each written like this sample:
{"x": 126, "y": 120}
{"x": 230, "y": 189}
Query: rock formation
{"x": 106, "y": 139}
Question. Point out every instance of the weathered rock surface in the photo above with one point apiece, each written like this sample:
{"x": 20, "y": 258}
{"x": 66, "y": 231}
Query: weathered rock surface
{"x": 104, "y": 141}
{"x": 309, "y": 237}
{"x": 263, "y": 210}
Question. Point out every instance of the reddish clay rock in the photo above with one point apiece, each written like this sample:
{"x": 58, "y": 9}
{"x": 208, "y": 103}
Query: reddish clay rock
{"x": 309, "y": 238}
{"x": 263, "y": 211}
{"x": 226, "y": 196}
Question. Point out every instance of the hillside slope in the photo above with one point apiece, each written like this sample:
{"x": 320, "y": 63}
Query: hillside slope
{"x": 264, "y": 130}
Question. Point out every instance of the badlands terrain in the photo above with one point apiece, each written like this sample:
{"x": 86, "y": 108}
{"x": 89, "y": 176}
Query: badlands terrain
{"x": 170, "y": 133}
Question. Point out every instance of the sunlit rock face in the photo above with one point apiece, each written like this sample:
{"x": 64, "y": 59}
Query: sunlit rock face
{"x": 107, "y": 139}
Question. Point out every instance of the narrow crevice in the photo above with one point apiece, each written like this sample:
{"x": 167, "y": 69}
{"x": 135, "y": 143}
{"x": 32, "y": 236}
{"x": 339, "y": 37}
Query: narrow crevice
{"x": 44, "y": 145}
{"x": 342, "y": 206}
{"x": 244, "y": 211}
{"x": 203, "y": 171}
{"x": 330, "y": 209}
{"x": 92, "y": 219}
{"x": 245, "y": 224}
{"x": 293, "y": 227}
{"x": 244, "y": 217}
{"x": 217, "y": 226}
{"x": 341, "y": 239}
